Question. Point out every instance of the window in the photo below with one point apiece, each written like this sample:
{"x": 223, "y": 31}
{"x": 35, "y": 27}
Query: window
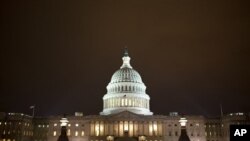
{"x": 54, "y": 133}
{"x": 77, "y": 124}
{"x": 76, "y": 133}
{"x": 68, "y": 132}
{"x": 82, "y": 133}
{"x": 69, "y": 125}
{"x": 55, "y": 124}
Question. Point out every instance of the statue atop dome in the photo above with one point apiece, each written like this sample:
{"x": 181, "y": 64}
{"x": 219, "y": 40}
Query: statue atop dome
{"x": 126, "y": 51}
{"x": 126, "y": 60}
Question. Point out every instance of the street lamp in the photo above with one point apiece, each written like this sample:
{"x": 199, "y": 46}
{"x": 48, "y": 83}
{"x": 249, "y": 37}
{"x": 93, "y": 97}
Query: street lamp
{"x": 64, "y": 121}
{"x": 183, "y": 122}
{"x": 63, "y": 137}
{"x": 183, "y": 136}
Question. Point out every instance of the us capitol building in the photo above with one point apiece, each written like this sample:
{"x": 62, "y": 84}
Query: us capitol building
{"x": 126, "y": 113}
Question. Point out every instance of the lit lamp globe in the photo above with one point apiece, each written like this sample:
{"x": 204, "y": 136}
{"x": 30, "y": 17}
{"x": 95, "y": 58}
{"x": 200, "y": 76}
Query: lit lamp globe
{"x": 183, "y": 122}
{"x": 64, "y": 122}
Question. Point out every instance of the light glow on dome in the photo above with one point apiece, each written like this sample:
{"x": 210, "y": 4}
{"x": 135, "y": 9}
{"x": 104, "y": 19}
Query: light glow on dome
{"x": 126, "y": 91}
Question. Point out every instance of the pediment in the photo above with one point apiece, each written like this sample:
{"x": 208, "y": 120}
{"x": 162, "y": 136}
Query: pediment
{"x": 125, "y": 115}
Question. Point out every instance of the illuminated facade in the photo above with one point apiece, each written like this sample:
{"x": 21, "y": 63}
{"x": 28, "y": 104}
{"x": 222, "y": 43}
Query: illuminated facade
{"x": 126, "y": 92}
{"x": 126, "y": 115}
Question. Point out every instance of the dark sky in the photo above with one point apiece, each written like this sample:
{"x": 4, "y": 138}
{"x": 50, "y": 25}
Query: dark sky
{"x": 193, "y": 55}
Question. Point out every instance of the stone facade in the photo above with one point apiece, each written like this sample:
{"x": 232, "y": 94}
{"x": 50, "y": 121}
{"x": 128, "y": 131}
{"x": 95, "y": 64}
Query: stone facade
{"x": 20, "y": 127}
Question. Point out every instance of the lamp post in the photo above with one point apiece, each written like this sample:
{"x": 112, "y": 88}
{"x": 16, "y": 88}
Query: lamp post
{"x": 183, "y": 136}
{"x": 183, "y": 122}
{"x": 63, "y": 137}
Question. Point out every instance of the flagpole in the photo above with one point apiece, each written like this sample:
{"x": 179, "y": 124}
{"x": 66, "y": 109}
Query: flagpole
{"x": 33, "y": 112}
{"x": 221, "y": 111}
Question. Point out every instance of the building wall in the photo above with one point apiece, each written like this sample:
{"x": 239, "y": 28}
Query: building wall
{"x": 20, "y": 127}
{"x": 16, "y": 127}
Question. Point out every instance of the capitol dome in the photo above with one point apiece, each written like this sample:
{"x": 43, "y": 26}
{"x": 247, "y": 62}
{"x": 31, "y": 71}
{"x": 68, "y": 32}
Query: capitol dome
{"x": 126, "y": 75}
{"x": 126, "y": 91}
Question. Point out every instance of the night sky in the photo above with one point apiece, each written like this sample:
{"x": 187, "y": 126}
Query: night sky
{"x": 193, "y": 55}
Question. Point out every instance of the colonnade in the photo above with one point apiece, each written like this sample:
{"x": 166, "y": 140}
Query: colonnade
{"x": 126, "y": 102}
{"x": 126, "y": 88}
{"x": 132, "y": 128}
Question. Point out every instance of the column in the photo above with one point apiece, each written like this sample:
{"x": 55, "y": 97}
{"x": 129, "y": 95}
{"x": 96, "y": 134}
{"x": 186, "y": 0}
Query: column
{"x": 135, "y": 128}
{"x": 146, "y": 128}
{"x": 101, "y": 128}
{"x": 116, "y": 127}
{"x": 92, "y": 128}
{"x": 160, "y": 128}
{"x": 106, "y": 128}
{"x": 151, "y": 130}
{"x": 121, "y": 128}
{"x": 119, "y": 102}
{"x": 155, "y": 128}
{"x": 131, "y": 129}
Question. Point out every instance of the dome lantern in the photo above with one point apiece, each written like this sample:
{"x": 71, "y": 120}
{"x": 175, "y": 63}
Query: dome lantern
{"x": 126, "y": 60}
